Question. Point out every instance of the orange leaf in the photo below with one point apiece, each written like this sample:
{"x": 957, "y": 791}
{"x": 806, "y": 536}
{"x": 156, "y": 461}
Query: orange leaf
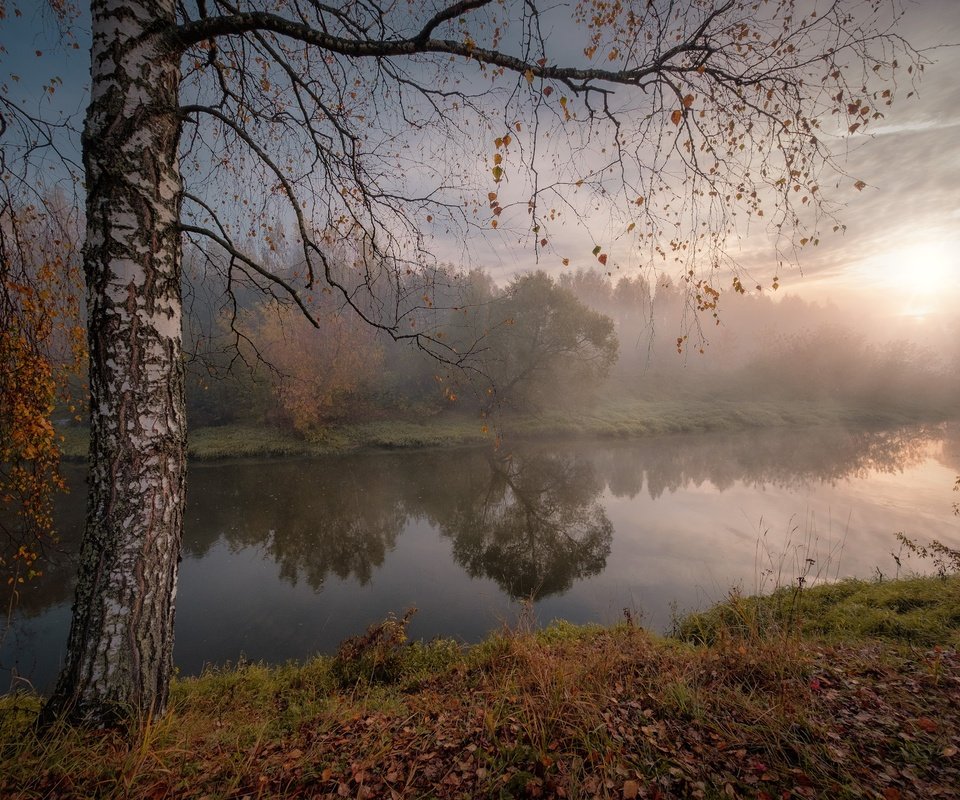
{"x": 676, "y": 116}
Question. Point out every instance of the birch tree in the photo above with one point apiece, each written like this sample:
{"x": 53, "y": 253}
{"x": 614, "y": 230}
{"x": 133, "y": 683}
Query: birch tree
{"x": 364, "y": 133}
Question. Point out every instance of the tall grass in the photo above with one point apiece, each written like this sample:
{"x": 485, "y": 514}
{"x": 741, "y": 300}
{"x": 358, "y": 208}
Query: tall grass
{"x": 736, "y": 706}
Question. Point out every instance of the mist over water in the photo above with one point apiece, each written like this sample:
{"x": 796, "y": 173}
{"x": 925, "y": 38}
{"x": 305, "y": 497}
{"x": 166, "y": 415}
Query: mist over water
{"x": 285, "y": 558}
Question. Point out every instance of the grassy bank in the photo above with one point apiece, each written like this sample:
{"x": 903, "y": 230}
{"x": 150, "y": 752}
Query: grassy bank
{"x": 626, "y": 419}
{"x": 810, "y": 703}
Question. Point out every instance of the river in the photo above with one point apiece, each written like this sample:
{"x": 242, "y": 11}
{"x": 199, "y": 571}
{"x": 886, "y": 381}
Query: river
{"x": 285, "y": 558}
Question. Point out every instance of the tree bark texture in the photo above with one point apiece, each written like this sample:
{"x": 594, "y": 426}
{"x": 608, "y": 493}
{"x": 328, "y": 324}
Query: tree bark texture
{"x": 119, "y": 654}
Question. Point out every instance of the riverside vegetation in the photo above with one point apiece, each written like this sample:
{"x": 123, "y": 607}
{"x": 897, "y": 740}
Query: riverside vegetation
{"x": 843, "y": 690}
{"x": 605, "y": 364}
{"x": 625, "y": 418}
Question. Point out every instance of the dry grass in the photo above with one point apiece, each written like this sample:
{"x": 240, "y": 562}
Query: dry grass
{"x": 565, "y": 712}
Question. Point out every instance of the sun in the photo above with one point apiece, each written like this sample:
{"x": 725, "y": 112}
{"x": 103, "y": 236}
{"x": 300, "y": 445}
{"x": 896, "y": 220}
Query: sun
{"x": 924, "y": 276}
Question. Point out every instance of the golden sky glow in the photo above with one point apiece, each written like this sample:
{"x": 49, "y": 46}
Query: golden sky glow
{"x": 900, "y": 253}
{"x": 901, "y": 250}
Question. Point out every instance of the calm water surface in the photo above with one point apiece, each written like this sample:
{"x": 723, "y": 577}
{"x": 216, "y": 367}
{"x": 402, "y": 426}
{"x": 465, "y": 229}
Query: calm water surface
{"x": 285, "y": 558}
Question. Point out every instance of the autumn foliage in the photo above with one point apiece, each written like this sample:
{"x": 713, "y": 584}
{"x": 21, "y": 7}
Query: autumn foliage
{"x": 317, "y": 372}
{"x": 41, "y": 345}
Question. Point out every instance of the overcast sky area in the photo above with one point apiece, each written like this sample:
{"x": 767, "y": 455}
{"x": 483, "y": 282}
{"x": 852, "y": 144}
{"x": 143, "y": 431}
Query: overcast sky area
{"x": 898, "y": 262}
{"x": 899, "y": 258}
{"x": 903, "y": 231}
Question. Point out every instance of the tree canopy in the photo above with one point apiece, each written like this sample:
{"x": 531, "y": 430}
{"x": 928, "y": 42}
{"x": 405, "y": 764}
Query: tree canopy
{"x": 368, "y": 133}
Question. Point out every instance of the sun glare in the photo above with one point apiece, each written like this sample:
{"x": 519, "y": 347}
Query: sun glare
{"x": 923, "y": 276}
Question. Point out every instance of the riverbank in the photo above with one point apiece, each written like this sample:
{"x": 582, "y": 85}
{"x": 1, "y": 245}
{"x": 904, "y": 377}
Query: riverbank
{"x": 622, "y": 420}
{"x": 790, "y": 696}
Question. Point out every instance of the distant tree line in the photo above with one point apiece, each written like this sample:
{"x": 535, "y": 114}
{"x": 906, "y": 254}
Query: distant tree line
{"x": 536, "y": 343}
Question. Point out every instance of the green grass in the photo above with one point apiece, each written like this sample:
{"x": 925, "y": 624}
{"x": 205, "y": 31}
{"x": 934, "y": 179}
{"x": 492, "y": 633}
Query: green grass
{"x": 916, "y": 611}
{"x": 613, "y": 418}
{"x": 243, "y": 441}
{"x": 568, "y": 711}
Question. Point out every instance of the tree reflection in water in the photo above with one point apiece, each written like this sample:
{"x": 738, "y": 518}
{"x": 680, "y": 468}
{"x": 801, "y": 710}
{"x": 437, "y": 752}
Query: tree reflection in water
{"x": 534, "y": 526}
{"x": 312, "y": 522}
{"x": 533, "y": 523}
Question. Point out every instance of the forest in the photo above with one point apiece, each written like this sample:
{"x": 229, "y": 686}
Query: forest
{"x": 581, "y": 341}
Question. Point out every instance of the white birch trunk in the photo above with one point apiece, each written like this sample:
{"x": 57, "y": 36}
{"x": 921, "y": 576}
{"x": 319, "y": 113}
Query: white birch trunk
{"x": 119, "y": 655}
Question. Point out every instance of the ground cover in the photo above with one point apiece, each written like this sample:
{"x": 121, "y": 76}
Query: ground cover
{"x": 784, "y": 697}
{"x": 616, "y": 419}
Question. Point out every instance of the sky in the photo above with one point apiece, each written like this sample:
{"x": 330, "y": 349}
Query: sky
{"x": 898, "y": 261}
{"x": 899, "y": 258}
{"x": 902, "y": 242}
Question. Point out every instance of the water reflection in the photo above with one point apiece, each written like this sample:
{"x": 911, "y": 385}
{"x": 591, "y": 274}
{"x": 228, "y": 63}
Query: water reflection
{"x": 311, "y": 519}
{"x": 530, "y": 522}
{"x": 366, "y": 533}
{"x": 786, "y": 458}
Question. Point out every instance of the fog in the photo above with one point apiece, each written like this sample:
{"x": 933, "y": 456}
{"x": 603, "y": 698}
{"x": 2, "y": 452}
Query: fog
{"x": 583, "y": 342}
